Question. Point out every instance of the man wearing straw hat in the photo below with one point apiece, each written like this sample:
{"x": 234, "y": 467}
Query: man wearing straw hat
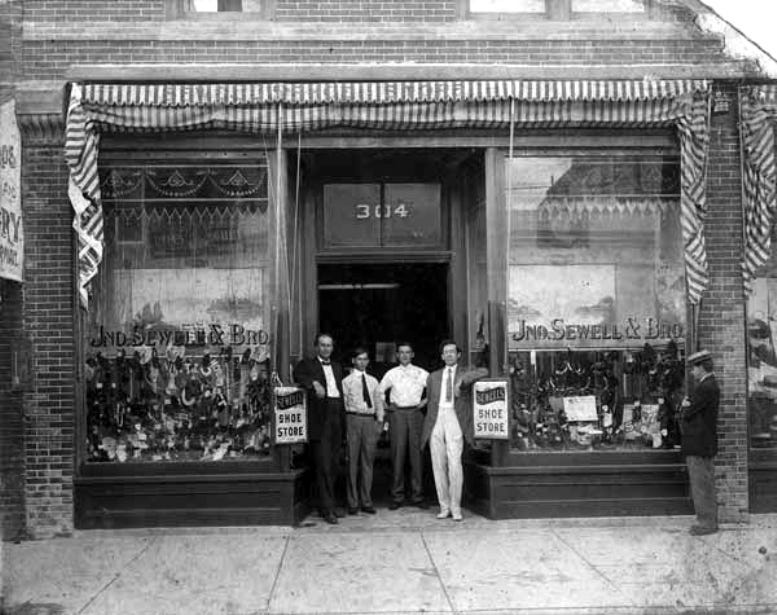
{"x": 700, "y": 441}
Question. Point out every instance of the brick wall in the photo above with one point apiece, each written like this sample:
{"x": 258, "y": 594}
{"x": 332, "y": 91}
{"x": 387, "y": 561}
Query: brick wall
{"x": 367, "y": 11}
{"x": 722, "y": 318}
{"x": 11, "y": 417}
{"x": 49, "y": 292}
{"x": 49, "y": 59}
{"x": 65, "y": 11}
{"x": 10, "y": 38}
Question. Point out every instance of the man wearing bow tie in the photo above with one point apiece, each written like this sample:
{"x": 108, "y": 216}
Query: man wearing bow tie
{"x": 447, "y": 424}
{"x": 322, "y": 378}
{"x": 364, "y": 422}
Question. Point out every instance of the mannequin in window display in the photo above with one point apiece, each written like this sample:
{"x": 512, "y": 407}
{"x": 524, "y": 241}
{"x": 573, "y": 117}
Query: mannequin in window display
{"x": 762, "y": 375}
{"x": 671, "y": 376}
{"x": 523, "y": 398}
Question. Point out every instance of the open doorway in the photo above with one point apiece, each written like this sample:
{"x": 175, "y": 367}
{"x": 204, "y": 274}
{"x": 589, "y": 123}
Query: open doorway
{"x": 377, "y": 305}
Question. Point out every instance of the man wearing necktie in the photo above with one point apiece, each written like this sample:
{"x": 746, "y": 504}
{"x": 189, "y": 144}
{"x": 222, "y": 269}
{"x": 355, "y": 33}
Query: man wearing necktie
{"x": 447, "y": 424}
{"x": 322, "y": 379}
{"x": 364, "y": 422}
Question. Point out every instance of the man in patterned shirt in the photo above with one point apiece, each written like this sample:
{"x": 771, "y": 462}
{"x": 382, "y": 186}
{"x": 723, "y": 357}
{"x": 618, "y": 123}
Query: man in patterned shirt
{"x": 405, "y": 384}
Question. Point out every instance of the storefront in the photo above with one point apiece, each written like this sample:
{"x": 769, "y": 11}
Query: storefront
{"x": 554, "y": 228}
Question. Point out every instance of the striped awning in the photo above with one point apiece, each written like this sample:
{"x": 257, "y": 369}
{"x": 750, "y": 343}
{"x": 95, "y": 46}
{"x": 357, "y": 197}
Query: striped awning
{"x": 267, "y": 108}
{"x": 381, "y": 92}
{"x": 759, "y": 117}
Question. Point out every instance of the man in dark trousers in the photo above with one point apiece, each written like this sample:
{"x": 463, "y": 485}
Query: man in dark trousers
{"x": 322, "y": 379}
{"x": 700, "y": 441}
{"x": 406, "y": 384}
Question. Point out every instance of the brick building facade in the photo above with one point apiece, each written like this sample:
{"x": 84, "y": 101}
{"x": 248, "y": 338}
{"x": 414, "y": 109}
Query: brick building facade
{"x": 51, "y": 483}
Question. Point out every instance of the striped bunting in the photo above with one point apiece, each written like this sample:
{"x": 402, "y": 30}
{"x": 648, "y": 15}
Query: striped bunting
{"x": 759, "y": 117}
{"x": 261, "y": 108}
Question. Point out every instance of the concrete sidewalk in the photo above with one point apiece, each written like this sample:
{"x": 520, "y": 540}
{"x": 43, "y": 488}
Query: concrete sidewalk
{"x": 402, "y": 561}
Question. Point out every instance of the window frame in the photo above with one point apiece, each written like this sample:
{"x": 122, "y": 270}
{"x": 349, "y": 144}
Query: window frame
{"x": 559, "y": 10}
{"x": 176, "y": 10}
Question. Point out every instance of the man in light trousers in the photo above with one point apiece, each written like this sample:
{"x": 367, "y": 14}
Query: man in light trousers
{"x": 448, "y": 424}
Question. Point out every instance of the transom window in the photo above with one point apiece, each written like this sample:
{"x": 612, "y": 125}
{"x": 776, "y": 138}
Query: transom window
{"x": 554, "y": 9}
{"x": 218, "y": 9}
{"x": 220, "y": 6}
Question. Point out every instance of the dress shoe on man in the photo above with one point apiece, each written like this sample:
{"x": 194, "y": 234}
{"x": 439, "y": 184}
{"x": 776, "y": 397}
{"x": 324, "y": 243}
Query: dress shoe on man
{"x": 339, "y": 513}
{"x": 701, "y": 530}
{"x": 330, "y": 519}
{"x": 457, "y": 516}
{"x": 394, "y": 505}
{"x": 352, "y": 510}
{"x": 444, "y": 514}
{"x": 421, "y": 504}
{"x": 370, "y": 510}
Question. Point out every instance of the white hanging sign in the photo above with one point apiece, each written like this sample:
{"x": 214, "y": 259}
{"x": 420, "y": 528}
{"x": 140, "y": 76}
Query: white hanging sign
{"x": 490, "y": 405}
{"x": 291, "y": 425}
{"x": 11, "y": 230}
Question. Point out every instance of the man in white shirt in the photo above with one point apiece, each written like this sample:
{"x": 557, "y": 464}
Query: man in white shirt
{"x": 405, "y": 384}
{"x": 448, "y": 423}
{"x": 364, "y": 422}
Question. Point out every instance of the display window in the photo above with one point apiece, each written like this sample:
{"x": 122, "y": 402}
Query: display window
{"x": 596, "y": 301}
{"x": 762, "y": 360}
{"x": 176, "y": 339}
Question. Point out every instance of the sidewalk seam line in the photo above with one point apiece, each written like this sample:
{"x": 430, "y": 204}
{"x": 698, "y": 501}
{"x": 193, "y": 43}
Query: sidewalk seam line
{"x": 595, "y": 569}
{"x": 738, "y": 560}
{"x": 437, "y": 572}
{"x": 116, "y": 576}
{"x": 277, "y": 573}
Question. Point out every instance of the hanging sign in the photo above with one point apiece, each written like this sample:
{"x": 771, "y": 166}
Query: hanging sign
{"x": 11, "y": 232}
{"x": 290, "y": 406}
{"x": 490, "y": 405}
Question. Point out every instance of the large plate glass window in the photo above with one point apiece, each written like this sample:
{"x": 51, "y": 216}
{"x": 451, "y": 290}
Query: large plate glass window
{"x": 762, "y": 360}
{"x": 177, "y": 345}
{"x": 596, "y": 301}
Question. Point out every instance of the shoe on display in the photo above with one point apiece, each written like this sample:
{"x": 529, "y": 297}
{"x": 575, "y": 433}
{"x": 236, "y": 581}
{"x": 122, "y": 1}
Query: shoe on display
{"x": 370, "y": 510}
{"x": 700, "y": 530}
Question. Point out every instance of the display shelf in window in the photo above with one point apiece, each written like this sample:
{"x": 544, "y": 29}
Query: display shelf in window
{"x": 603, "y": 400}
{"x": 147, "y": 405}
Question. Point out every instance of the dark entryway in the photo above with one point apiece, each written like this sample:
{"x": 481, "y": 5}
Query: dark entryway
{"x": 378, "y": 305}
{"x": 382, "y": 304}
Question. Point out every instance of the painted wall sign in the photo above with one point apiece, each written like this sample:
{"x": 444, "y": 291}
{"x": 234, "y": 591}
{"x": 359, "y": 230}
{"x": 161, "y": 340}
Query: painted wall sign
{"x": 491, "y": 405}
{"x": 291, "y": 415}
{"x": 11, "y": 229}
